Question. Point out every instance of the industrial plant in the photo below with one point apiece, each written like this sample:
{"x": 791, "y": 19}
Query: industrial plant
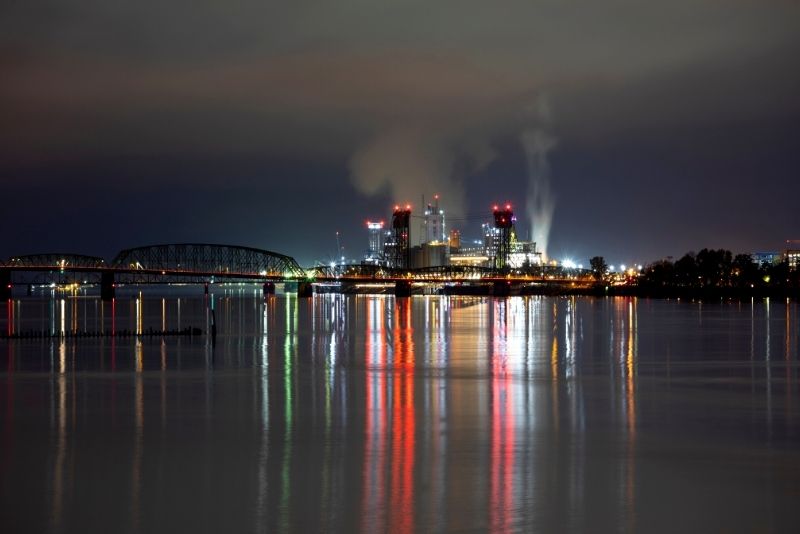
{"x": 497, "y": 247}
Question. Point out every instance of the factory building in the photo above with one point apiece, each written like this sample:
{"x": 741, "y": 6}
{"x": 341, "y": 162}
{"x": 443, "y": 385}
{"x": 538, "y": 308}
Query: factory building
{"x": 433, "y": 224}
{"x": 498, "y": 247}
{"x": 376, "y": 236}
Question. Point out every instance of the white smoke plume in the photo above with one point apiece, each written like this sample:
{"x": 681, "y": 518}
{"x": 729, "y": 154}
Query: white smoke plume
{"x": 538, "y": 142}
{"x": 410, "y": 162}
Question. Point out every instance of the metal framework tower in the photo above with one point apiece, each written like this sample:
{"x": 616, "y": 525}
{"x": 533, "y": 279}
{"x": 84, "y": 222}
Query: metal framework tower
{"x": 503, "y": 222}
{"x": 401, "y": 219}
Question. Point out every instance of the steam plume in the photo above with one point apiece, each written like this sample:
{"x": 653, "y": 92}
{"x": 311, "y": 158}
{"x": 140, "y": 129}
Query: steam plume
{"x": 537, "y": 143}
{"x": 410, "y": 162}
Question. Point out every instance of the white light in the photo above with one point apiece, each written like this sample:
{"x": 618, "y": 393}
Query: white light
{"x": 622, "y": 267}
{"x": 569, "y": 264}
{"x": 611, "y": 268}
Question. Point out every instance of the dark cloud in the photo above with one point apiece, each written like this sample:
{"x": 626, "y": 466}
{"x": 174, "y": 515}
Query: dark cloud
{"x": 395, "y": 101}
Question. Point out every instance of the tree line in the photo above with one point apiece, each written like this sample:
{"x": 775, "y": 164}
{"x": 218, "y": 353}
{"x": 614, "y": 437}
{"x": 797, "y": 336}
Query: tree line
{"x": 710, "y": 269}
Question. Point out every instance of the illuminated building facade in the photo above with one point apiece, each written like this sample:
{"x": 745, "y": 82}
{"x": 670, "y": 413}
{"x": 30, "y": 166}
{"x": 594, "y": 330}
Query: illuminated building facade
{"x": 766, "y": 258}
{"x": 376, "y": 241}
{"x": 434, "y": 223}
{"x": 792, "y": 254}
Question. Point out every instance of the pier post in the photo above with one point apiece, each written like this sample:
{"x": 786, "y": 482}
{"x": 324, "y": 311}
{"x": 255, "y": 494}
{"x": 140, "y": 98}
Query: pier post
{"x": 269, "y": 288}
{"x": 501, "y": 288}
{"x": 107, "y": 289}
{"x": 402, "y": 288}
{"x": 5, "y": 284}
{"x": 305, "y": 290}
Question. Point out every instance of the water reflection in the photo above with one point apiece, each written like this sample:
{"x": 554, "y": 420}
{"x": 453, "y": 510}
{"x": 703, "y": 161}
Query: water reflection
{"x": 370, "y": 413}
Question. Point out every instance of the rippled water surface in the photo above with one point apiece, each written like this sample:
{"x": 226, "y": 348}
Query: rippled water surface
{"x": 370, "y": 413}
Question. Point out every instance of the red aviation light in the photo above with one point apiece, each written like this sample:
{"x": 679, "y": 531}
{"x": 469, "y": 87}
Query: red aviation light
{"x": 495, "y": 208}
{"x": 503, "y": 218}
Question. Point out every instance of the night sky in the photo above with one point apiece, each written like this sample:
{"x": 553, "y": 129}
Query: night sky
{"x": 647, "y": 129}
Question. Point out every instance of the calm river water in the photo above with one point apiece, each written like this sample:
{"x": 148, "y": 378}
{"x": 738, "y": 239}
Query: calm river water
{"x": 373, "y": 414}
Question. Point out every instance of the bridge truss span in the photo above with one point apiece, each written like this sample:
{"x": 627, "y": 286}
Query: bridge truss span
{"x": 224, "y": 260}
{"x": 56, "y": 260}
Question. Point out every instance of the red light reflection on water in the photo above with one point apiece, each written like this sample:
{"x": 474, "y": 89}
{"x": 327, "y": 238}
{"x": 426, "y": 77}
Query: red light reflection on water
{"x": 403, "y": 422}
{"x": 502, "y": 433}
{"x": 10, "y": 316}
{"x": 388, "y": 492}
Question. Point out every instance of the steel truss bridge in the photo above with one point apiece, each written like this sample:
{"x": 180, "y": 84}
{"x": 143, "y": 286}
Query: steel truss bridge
{"x": 445, "y": 274}
{"x": 200, "y": 263}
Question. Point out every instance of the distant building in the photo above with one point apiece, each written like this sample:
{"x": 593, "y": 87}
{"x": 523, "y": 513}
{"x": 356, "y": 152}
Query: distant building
{"x": 396, "y": 248}
{"x": 792, "y": 254}
{"x": 455, "y": 241}
{"x": 766, "y": 258}
{"x": 470, "y": 257}
{"x": 524, "y": 254}
{"x": 376, "y": 241}
{"x": 434, "y": 223}
{"x": 491, "y": 240}
{"x": 430, "y": 255}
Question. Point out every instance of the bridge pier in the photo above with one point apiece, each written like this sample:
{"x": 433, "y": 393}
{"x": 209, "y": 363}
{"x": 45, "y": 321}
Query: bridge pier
{"x": 402, "y": 288}
{"x": 501, "y": 288}
{"x": 305, "y": 290}
{"x": 107, "y": 289}
{"x": 5, "y": 284}
{"x": 269, "y": 288}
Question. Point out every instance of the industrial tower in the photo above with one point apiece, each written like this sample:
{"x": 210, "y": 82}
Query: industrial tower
{"x": 503, "y": 222}
{"x": 398, "y": 249}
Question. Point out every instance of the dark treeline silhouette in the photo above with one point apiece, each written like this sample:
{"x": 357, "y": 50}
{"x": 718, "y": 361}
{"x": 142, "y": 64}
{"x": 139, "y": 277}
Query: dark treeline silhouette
{"x": 713, "y": 272}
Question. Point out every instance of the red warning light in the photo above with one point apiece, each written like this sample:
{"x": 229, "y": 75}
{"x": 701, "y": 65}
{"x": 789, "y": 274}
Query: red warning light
{"x": 503, "y": 218}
